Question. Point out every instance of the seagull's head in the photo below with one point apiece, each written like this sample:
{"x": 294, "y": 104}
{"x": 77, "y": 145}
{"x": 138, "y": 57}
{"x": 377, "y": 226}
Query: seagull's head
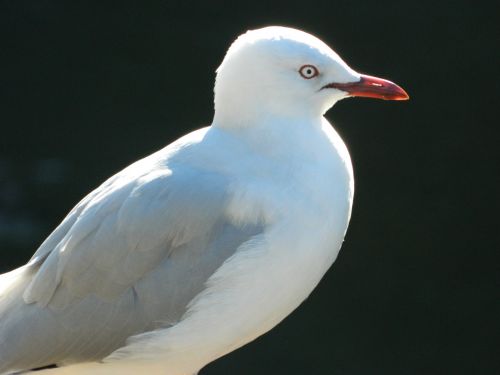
{"x": 284, "y": 72}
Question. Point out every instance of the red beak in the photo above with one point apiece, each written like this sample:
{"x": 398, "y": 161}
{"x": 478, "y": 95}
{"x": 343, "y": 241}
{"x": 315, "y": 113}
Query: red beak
{"x": 372, "y": 87}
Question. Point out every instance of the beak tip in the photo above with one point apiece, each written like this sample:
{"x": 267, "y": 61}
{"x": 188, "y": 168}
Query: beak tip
{"x": 401, "y": 96}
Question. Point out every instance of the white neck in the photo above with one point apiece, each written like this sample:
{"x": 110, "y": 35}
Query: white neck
{"x": 279, "y": 137}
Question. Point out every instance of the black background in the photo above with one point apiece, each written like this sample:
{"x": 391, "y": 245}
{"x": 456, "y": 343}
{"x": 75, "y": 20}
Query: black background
{"x": 86, "y": 87}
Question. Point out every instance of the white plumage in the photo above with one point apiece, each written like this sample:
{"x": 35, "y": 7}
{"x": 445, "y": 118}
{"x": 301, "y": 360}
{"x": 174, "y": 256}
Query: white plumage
{"x": 203, "y": 246}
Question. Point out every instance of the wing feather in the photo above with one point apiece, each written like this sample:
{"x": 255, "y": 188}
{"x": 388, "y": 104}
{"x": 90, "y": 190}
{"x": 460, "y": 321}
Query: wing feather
{"x": 127, "y": 259}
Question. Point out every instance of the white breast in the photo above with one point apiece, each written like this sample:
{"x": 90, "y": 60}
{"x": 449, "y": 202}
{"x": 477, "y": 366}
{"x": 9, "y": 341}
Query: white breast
{"x": 304, "y": 199}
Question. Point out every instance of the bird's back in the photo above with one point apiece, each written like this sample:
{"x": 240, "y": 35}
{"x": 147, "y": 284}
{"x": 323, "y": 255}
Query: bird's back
{"x": 118, "y": 265}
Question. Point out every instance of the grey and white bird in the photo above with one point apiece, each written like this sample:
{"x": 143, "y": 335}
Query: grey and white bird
{"x": 205, "y": 245}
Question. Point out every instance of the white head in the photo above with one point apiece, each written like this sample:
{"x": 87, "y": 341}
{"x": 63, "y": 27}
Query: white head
{"x": 284, "y": 72}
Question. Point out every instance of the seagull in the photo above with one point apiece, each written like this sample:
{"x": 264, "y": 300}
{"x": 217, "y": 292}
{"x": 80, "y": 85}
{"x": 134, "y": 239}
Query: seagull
{"x": 201, "y": 247}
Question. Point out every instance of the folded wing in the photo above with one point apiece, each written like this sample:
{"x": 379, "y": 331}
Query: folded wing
{"x": 127, "y": 259}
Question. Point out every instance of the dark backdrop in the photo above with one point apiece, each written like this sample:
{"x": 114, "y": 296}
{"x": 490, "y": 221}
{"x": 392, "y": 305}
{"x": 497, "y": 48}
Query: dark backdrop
{"x": 86, "y": 87}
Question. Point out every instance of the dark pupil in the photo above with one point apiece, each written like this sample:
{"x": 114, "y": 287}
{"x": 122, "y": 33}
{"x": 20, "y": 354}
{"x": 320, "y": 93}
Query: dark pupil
{"x": 309, "y": 71}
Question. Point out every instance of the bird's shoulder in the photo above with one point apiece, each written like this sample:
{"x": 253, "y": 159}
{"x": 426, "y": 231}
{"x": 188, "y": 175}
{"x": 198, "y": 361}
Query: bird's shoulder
{"x": 122, "y": 229}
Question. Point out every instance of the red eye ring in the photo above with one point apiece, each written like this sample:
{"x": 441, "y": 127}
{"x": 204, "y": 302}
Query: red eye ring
{"x": 308, "y": 71}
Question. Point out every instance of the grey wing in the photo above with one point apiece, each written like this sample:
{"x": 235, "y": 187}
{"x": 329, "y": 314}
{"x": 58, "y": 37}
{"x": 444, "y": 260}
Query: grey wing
{"x": 128, "y": 259}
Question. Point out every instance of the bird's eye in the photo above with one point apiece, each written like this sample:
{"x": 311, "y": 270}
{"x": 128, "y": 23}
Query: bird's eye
{"x": 308, "y": 71}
